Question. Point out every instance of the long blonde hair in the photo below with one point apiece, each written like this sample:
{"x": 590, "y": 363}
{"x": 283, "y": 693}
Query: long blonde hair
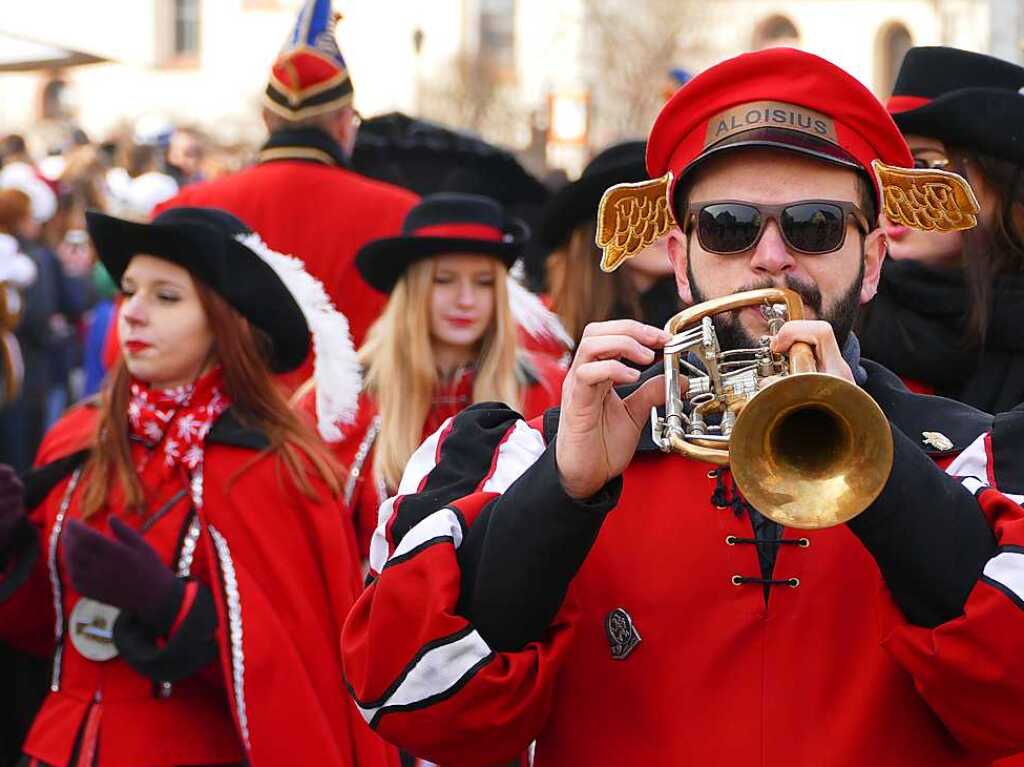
{"x": 401, "y": 374}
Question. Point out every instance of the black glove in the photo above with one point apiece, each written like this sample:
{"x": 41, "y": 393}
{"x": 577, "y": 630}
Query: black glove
{"x": 124, "y": 572}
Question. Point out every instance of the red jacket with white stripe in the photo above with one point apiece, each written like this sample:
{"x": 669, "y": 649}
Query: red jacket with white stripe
{"x": 364, "y": 491}
{"x": 641, "y": 626}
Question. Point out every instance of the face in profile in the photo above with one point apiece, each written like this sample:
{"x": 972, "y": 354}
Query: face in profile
{"x": 462, "y": 299}
{"x": 166, "y": 339}
{"x": 832, "y": 284}
{"x": 935, "y": 249}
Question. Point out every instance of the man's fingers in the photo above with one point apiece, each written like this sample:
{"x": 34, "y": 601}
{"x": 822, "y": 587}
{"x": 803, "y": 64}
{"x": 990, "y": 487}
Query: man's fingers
{"x": 648, "y": 335}
{"x": 651, "y": 393}
{"x": 612, "y": 347}
{"x": 821, "y": 338}
{"x": 605, "y": 372}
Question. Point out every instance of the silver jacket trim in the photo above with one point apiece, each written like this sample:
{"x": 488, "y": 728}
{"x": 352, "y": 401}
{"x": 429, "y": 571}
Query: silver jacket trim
{"x": 227, "y": 569}
{"x": 362, "y": 453}
{"x": 55, "y": 584}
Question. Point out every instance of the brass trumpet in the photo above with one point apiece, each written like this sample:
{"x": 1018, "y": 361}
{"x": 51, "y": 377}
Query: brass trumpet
{"x": 806, "y": 449}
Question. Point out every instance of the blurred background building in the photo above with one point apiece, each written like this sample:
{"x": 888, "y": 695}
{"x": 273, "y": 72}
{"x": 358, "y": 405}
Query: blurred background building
{"x": 552, "y": 79}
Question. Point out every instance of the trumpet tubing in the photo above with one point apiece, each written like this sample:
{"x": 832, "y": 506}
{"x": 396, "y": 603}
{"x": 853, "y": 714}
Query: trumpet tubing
{"x": 806, "y": 449}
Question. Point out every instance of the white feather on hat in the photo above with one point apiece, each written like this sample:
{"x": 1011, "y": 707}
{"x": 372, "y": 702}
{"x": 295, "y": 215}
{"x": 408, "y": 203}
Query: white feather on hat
{"x": 336, "y": 370}
{"x": 532, "y": 316}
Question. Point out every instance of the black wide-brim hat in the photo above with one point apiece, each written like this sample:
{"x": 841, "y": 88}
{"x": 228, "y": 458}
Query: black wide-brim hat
{"x": 204, "y": 241}
{"x": 441, "y": 223}
{"x": 962, "y": 98}
{"x": 576, "y": 202}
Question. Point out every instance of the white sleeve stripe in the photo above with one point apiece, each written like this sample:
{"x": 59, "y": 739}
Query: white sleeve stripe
{"x": 1007, "y": 570}
{"x": 439, "y": 670}
{"x": 515, "y": 455}
{"x": 972, "y": 465}
{"x": 441, "y": 524}
{"x": 419, "y": 466}
{"x": 973, "y": 484}
{"x": 973, "y": 461}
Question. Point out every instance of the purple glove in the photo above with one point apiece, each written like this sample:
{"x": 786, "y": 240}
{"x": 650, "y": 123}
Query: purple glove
{"x": 12, "y": 511}
{"x": 125, "y": 572}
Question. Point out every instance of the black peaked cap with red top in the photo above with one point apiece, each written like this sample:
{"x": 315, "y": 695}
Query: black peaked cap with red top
{"x": 441, "y": 223}
{"x": 777, "y": 98}
{"x": 962, "y": 98}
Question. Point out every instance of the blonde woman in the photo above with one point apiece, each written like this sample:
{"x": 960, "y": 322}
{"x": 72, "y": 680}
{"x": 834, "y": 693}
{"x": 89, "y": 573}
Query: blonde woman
{"x": 446, "y": 340}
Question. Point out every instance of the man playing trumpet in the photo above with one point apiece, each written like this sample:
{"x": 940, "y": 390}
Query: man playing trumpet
{"x": 564, "y": 581}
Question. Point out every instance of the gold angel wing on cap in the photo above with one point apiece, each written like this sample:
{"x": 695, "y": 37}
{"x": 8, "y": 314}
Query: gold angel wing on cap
{"x": 630, "y": 218}
{"x": 925, "y": 198}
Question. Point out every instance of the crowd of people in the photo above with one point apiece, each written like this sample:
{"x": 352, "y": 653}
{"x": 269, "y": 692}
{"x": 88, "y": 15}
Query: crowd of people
{"x": 300, "y": 466}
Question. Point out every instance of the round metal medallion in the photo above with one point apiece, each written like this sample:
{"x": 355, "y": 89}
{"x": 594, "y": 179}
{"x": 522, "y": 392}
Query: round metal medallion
{"x": 91, "y": 627}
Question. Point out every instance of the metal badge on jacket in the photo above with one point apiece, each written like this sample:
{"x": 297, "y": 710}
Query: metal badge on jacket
{"x": 622, "y": 634}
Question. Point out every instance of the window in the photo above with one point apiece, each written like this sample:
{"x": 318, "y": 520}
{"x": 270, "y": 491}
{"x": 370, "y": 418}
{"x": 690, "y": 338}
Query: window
{"x": 894, "y": 41}
{"x": 498, "y": 35}
{"x": 186, "y": 29}
{"x": 776, "y": 31}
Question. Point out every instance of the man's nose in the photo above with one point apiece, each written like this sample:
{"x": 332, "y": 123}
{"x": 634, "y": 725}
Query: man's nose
{"x": 772, "y": 256}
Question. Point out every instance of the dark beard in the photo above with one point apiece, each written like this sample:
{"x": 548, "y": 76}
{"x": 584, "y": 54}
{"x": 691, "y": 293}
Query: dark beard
{"x": 841, "y": 317}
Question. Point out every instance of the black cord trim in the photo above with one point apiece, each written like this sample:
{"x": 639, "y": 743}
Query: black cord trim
{"x": 1010, "y": 593}
{"x": 742, "y": 580}
{"x": 733, "y": 540}
{"x": 417, "y": 549}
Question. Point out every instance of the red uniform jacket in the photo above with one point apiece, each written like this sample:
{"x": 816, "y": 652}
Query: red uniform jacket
{"x": 282, "y": 579}
{"x": 363, "y": 492}
{"x": 316, "y": 210}
{"x": 660, "y": 651}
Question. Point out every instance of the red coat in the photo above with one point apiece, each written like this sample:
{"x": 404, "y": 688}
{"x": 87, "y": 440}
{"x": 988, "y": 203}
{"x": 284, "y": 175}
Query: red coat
{"x": 282, "y": 578}
{"x": 363, "y": 493}
{"x": 827, "y": 671}
{"x": 320, "y": 213}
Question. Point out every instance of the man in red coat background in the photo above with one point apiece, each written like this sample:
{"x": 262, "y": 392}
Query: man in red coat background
{"x": 302, "y": 196}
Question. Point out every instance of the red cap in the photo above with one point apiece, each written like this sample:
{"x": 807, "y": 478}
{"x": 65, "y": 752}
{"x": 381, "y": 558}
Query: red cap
{"x": 778, "y": 97}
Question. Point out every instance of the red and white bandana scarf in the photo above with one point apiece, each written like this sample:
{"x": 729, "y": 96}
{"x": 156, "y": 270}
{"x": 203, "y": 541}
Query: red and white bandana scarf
{"x": 176, "y": 421}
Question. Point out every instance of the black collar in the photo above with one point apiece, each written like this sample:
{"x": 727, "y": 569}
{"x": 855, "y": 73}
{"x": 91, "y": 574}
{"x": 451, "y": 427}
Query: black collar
{"x": 303, "y": 144}
{"x": 229, "y": 430}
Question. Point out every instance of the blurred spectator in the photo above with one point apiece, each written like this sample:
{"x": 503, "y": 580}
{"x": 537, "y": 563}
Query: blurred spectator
{"x": 46, "y": 333}
{"x": 185, "y": 156}
{"x": 138, "y": 185}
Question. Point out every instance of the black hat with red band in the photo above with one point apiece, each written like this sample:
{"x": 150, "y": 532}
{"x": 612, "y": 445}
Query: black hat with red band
{"x": 778, "y": 98}
{"x": 443, "y": 223}
{"x": 962, "y": 98}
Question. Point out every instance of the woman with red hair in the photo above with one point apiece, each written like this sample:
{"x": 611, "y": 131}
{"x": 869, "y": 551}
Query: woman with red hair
{"x": 177, "y": 549}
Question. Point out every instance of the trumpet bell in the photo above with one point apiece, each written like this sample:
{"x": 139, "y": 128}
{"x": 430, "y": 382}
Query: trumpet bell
{"x": 811, "y": 451}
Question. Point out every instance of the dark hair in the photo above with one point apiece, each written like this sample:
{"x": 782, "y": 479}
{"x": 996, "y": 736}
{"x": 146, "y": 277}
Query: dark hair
{"x": 580, "y": 292}
{"x": 996, "y": 246}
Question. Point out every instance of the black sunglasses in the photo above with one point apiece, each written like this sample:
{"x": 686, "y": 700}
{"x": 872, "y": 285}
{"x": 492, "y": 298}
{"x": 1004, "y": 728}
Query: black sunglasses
{"x": 812, "y": 227}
